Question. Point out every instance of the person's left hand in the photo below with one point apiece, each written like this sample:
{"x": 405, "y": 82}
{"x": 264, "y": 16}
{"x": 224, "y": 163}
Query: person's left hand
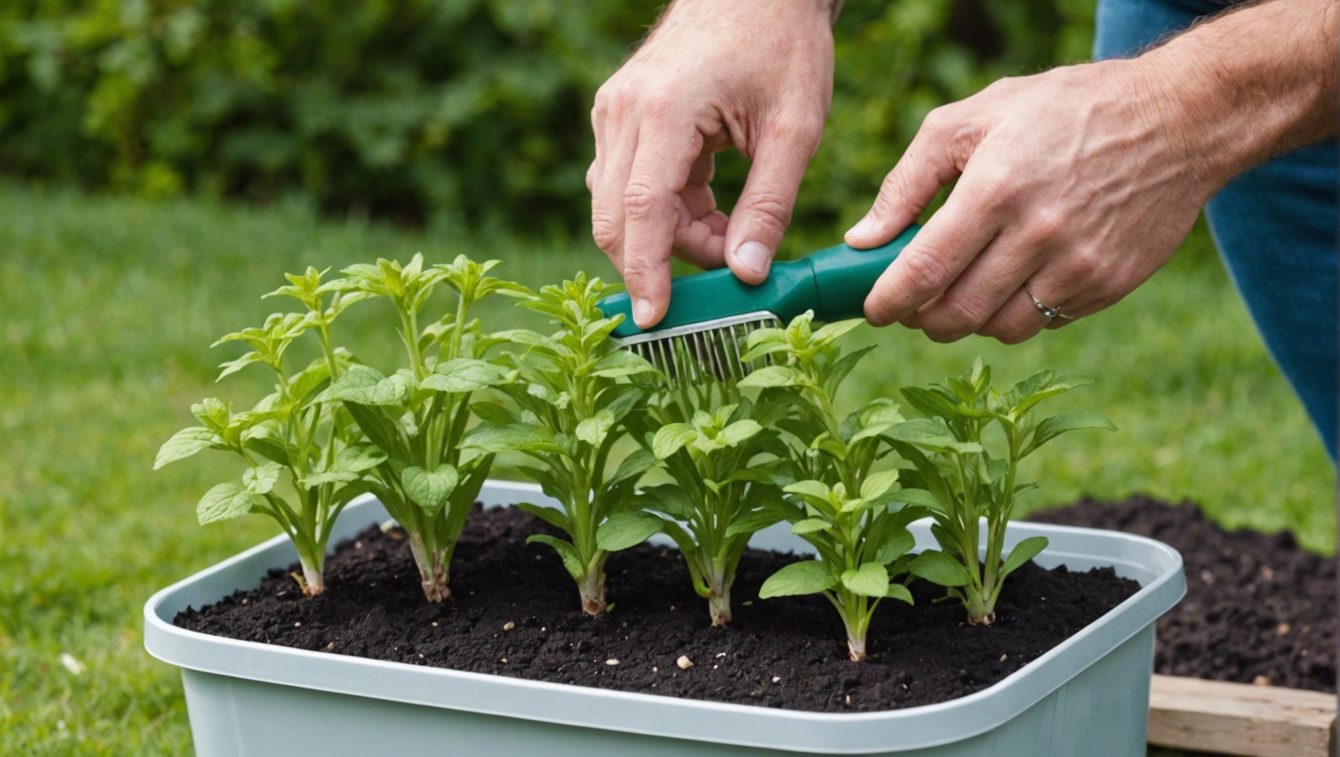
{"x": 1074, "y": 185}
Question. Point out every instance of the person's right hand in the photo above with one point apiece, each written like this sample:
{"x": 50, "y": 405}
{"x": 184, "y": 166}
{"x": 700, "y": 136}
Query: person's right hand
{"x": 756, "y": 75}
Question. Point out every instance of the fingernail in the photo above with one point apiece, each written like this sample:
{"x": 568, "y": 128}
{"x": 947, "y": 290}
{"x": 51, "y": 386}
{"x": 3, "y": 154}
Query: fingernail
{"x": 642, "y": 311}
{"x": 862, "y": 227}
{"x": 755, "y": 256}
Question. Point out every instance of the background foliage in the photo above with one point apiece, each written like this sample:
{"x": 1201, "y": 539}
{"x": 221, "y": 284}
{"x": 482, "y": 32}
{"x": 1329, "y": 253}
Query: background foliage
{"x": 458, "y": 111}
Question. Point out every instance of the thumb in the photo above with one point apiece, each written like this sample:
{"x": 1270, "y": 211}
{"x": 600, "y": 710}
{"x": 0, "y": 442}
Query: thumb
{"x": 761, "y": 216}
{"x": 920, "y": 173}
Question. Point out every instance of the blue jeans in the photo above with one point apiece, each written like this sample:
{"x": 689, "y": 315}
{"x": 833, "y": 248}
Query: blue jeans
{"x": 1276, "y": 227}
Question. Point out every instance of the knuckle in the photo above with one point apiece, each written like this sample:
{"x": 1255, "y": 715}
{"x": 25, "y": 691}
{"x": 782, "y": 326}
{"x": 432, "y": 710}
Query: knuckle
{"x": 1049, "y": 224}
{"x": 772, "y": 209}
{"x": 640, "y": 200}
{"x": 924, "y": 271}
{"x": 660, "y": 106}
{"x": 937, "y": 120}
{"x": 1085, "y": 265}
{"x": 605, "y": 231}
{"x": 999, "y": 187}
{"x": 966, "y": 311}
{"x": 591, "y": 178}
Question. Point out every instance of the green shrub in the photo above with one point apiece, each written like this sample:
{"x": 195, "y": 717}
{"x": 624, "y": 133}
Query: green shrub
{"x": 469, "y": 112}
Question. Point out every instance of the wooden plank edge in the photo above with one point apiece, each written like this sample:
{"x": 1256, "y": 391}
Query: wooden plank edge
{"x": 1242, "y": 719}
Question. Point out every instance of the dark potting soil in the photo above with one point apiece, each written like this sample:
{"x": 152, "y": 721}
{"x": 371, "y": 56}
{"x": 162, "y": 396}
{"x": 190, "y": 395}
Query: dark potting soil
{"x": 515, "y": 612}
{"x": 1258, "y": 609}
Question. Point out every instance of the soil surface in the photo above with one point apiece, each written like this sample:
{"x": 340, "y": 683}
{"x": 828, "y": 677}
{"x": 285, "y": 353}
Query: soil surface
{"x": 515, "y": 613}
{"x": 1258, "y": 609}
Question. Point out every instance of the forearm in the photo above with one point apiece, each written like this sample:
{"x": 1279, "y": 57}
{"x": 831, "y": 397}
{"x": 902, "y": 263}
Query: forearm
{"x": 1253, "y": 83}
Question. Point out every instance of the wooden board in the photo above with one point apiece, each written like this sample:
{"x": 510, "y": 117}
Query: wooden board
{"x": 1237, "y": 718}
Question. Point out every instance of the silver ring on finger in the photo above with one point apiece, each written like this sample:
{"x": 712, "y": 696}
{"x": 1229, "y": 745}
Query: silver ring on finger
{"x": 1050, "y": 312}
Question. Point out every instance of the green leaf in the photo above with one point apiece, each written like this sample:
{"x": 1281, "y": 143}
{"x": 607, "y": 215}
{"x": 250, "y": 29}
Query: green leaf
{"x": 810, "y": 525}
{"x": 328, "y": 477}
{"x": 1024, "y": 551}
{"x": 809, "y": 489}
{"x": 920, "y": 497}
{"x": 739, "y": 431}
{"x": 669, "y": 499}
{"x": 754, "y": 521}
{"x": 624, "y": 530}
{"x": 366, "y": 386}
{"x": 186, "y": 443}
{"x": 876, "y": 484}
{"x": 551, "y": 515}
{"x": 895, "y": 547}
{"x": 262, "y": 478}
{"x": 233, "y": 366}
{"x": 832, "y": 331}
{"x": 772, "y": 376}
{"x": 899, "y": 592}
{"x": 1050, "y": 428}
{"x": 223, "y": 502}
{"x": 671, "y": 437}
{"x": 497, "y": 437}
{"x": 429, "y": 489}
{"x": 621, "y": 363}
{"x": 930, "y": 435}
{"x": 869, "y": 580}
{"x": 464, "y": 375}
{"x": 939, "y": 568}
{"x": 806, "y": 577}
{"x": 633, "y": 466}
{"x": 593, "y": 430}
{"x": 566, "y": 552}
{"x": 358, "y": 458}
{"x": 930, "y": 401}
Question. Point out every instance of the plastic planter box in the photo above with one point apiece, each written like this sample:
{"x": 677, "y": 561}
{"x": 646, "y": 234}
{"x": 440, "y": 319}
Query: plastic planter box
{"x": 1089, "y": 695}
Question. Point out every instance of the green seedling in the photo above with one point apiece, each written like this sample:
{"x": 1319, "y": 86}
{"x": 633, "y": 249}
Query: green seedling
{"x": 419, "y": 415}
{"x": 304, "y": 460}
{"x": 575, "y": 399}
{"x": 723, "y": 458}
{"x": 842, "y": 502}
{"x": 966, "y": 475}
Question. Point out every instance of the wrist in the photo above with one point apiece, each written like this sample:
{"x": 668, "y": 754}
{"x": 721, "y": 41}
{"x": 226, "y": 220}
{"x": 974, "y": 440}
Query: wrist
{"x": 825, "y": 11}
{"x": 1232, "y": 99}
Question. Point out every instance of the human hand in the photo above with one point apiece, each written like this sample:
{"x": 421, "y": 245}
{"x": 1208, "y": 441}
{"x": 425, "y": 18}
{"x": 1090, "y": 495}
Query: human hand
{"x": 1074, "y": 185}
{"x": 755, "y": 75}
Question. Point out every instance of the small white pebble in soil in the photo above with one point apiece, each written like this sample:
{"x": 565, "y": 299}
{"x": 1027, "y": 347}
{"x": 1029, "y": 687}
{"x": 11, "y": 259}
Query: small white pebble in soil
{"x": 849, "y": 699}
{"x": 747, "y": 603}
{"x": 297, "y": 624}
{"x": 330, "y": 647}
{"x": 714, "y": 667}
{"x": 421, "y": 655}
{"x": 672, "y": 608}
{"x": 358, "y": 545}
{"x": 1268, "y": 573}
{"x": 720, "y": 655}
{"x": 776, "y": 679}
{"x": 612, "y": 661}
{"x": 503, "y": 660}
{"x": 509, "y": 625}
{"x": 1206, "y": 577}
{"x": 1283, "y": 629}
{"x": 1261, "y": 681}
{"x": 655, "y": 669}
{"x": 543, "y": 629}
{"x": 684, "y": 662}
{"x": 434, "y": 624}
{"x": 1004, "y": 657}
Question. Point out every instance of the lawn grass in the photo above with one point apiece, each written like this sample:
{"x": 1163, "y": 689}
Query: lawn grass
{"x": 109, "y": 305}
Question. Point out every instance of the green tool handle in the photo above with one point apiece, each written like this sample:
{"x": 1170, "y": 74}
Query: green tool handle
{"x": 833, "y": 283}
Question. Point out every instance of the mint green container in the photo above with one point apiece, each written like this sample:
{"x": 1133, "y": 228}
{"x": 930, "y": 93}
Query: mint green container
{"x": 1087, "y": 696}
